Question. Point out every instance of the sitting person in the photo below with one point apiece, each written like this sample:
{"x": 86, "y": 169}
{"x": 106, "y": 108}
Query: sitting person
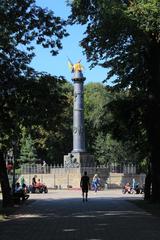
{"x": 19, "y": 193}
{"x": 127, "y": 187}
{"x": 38, "y": 183}
{"x": 34, "y": 180}
{"x": 18, "y": 188}
{"x": 25, "y": 188}
{"x": 41, "y": 186}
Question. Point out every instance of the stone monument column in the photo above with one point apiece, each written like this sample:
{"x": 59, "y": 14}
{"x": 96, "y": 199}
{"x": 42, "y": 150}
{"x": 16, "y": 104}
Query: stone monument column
{"x": 78, "y": 156}
{"x": 78, "y": 116}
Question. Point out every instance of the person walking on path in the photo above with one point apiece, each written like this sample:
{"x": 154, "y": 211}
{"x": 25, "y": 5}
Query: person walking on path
{"x": 95, "y": 182}
{"x": 84, "y": 184}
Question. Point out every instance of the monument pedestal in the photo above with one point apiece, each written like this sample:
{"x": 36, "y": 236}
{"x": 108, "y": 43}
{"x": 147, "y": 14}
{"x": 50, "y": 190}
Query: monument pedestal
{"x": 76, "y": 163}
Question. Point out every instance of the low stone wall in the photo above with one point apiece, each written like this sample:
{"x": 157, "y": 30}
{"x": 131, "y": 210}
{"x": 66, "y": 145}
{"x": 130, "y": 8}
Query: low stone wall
{"x": 66, "y": 177}
{"x": 118, "y": 180}
{"x": 58, "y": 178}
{"x": 70, "y": 177}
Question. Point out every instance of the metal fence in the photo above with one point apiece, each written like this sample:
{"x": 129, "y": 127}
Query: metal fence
{"x": 47, "y": 169}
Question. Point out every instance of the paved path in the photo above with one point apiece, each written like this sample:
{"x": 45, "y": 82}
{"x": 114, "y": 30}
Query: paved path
{"x": 62, "y": 215}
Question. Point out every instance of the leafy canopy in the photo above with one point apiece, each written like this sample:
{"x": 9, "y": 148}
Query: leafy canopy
{"x": 117, "y": 35}
{"x": 22, "y": 24}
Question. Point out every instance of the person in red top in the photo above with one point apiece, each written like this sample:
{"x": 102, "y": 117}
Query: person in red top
{"x": 39, "y": 184}
{"x": 84, "y": 184}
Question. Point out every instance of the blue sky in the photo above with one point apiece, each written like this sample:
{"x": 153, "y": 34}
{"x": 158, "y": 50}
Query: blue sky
{"x": 57, "y": 65}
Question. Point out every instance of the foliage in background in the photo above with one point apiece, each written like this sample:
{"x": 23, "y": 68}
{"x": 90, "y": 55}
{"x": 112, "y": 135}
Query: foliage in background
{"x": 124, "y": 36}
{"x": 27, "y": 151}
{"x": 102, "y": 134}
{"x": 50, "y": 122}
{"x": 95, "y": 98}
{"x": 109, "y": 150}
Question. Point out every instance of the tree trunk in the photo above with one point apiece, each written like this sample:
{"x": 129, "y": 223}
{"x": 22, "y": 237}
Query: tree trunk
{"x": 156, "y": 178}
{"x": 6, "y": 193}
{"x": 154, "y": 141}
{"x": 153, "y": 118}
{"x": 147, "y": 188}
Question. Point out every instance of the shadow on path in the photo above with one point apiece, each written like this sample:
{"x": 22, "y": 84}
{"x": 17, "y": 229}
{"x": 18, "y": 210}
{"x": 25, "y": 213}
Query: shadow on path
{"x": 71, "y": 219}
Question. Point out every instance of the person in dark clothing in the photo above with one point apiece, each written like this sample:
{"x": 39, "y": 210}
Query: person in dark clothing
{"x": 33, "y": 186}
{"x": 84, "y": 184}
{"x": 34, "y": 180}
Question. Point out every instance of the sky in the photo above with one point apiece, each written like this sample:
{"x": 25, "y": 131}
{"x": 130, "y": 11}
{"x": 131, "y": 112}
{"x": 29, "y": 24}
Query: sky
{"x": 57, "y": 65}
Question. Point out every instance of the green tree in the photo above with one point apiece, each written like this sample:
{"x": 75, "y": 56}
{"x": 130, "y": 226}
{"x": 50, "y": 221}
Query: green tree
{"x": 95, "y": 98}
{"x": 53, "y": 135}
{"x": 28, "y": 151}
{"x": 21, "y": 24}
{"x": 106, "y": 150}
{"x": 124, "y": 36}
{"x": 126, "y": 123}
{"x": 98, "y": 122}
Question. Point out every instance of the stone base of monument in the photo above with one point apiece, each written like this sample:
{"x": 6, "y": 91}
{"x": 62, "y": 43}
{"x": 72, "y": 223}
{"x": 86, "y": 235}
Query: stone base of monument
{"x": 79, "y": 160}
{"x": 76, "y": 163}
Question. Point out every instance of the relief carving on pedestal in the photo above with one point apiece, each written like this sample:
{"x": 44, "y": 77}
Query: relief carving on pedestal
{"x": 71, "y": 162}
